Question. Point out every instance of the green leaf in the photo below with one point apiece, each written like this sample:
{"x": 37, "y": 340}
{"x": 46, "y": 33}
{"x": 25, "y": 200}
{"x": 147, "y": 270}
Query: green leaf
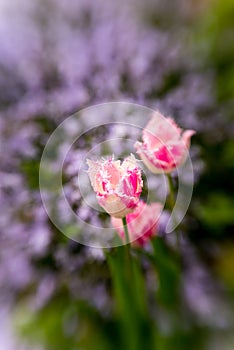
{"x": 168, "y": 269}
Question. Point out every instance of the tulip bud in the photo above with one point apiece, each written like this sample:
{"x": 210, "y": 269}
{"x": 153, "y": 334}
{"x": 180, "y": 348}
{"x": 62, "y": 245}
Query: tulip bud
{"x": 142, "y": 222}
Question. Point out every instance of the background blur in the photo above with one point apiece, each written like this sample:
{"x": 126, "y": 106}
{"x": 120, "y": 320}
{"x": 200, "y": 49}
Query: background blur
{"x": 57, "y": 57}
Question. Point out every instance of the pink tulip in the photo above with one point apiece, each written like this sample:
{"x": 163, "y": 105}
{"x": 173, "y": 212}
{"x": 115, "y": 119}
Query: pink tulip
{"x": 117, "y": 186}
{"x": 164, "y": 146}
{"x": 142, "y": 223}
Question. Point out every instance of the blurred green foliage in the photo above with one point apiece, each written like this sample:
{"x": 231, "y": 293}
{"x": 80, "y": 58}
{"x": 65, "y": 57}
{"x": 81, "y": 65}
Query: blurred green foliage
{"x": 217, "y": 212}
{"x": 213, "y": 195}
{"x": 215, "y": 37}
{"x": 66, "y": 322}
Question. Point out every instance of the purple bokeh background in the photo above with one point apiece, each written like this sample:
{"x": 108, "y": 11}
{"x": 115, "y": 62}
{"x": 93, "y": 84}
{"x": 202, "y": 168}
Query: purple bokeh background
{"x": 57, "y": 57}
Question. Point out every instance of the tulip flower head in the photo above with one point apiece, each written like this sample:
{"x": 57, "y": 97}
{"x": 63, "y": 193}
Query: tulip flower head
{"x": 142, "y": 222}
{"x": 165, "y": 146}
{"x": 117, "y": 186}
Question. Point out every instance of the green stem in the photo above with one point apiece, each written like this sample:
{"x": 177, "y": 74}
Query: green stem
{"x": 171, "y": 196}
{"x": 125, "y": 226}
{"x": 171, "y": 202}
{"x": 127, "y": 249}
